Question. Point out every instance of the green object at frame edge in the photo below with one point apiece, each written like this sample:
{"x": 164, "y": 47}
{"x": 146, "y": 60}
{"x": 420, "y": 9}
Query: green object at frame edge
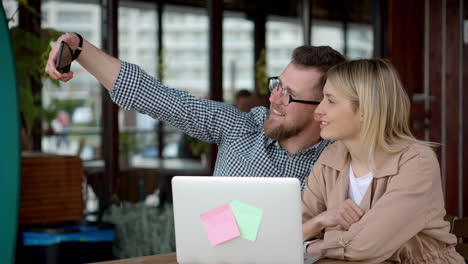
{"x": 10, "y": 153}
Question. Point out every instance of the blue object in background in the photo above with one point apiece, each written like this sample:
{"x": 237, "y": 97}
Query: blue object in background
{"x": 73, "y": 242}
{"x": 68, "y": 234}
{"x": 10, "y": 149}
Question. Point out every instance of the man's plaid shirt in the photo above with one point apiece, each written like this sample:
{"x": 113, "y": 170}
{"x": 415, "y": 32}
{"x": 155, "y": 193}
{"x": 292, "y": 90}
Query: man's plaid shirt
{"x": 243, "y": 148}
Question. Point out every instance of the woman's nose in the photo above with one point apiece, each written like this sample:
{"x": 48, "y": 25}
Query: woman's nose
{"x": 317, "y": 117}
{"x": 318, "y": 112}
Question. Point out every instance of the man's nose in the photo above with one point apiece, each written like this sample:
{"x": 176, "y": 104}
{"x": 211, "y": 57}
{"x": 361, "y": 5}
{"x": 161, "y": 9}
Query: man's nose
{"x": 275, "y": 97}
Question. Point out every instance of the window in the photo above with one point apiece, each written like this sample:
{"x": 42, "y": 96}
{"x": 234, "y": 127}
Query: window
{"x": 184, "y": 53}
{"x": 359, "y": 38}
{"x": 10, "y": 7}
{"x": 73, "y": 17}
{"x": 465, "y": 23}
{"x": 138, "y": 45}
{"x": 282, "y": 37}
{"x": 327, "y": 33}
{"x": 44, "y": 17}
{"x": 77, "y": 103}
{"x": 360, "y": 41}
{"x": 238, "y": 57}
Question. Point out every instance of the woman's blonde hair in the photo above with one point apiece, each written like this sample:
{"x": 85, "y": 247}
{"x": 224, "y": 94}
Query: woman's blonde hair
{"x": 373, "y": 86}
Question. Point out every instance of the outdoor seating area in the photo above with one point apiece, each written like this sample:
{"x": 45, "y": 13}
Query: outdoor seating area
{"x": 193, "y": 88}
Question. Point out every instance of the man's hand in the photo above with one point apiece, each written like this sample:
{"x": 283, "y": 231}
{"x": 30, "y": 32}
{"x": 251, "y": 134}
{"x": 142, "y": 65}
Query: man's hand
{"x": 345, "y": 215}
{"x": 72, "y": 40}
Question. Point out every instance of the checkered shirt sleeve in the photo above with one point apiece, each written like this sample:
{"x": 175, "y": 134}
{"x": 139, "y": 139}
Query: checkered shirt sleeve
{"x": 199, "y": 118}
{"x": 243, "y": 148}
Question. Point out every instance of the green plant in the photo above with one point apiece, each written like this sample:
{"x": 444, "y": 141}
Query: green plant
{"x": 198, "y": 147}
{"x": 261, "y": 74}
{"x": 127, "y": 143}
{"x": 31, "y": 53}
{"x": 161, "y": 66}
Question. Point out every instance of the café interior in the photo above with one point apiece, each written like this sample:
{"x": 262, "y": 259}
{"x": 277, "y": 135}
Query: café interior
{"x": 73, "y": 158}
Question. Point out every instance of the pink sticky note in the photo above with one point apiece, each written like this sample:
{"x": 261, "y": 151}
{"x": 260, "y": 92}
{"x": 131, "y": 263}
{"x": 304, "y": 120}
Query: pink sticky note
{"x": 220, "y": 225}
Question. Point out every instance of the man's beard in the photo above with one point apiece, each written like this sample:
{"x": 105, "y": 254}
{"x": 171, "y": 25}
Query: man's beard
{"x": 283, "y": 131}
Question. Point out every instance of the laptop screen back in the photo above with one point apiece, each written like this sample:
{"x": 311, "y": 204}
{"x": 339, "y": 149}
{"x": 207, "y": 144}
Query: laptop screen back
{"x": 270, "y": 233}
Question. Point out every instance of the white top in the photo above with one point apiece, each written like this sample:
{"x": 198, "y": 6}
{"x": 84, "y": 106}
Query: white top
{"x": 358, "y": 186}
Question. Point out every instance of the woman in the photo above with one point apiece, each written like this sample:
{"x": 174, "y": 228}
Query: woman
{"x": 376, "y": 193}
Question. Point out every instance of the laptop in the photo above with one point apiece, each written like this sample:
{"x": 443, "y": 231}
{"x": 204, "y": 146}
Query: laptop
{"x": 267, "y": 212}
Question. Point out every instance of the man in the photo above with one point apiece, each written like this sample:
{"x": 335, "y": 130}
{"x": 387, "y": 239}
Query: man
{"x": 283, "y": 141}
{"x": 243, "y": 100}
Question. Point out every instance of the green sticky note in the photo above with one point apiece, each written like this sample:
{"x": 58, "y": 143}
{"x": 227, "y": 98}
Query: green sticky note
{"x": 248, "y": 219}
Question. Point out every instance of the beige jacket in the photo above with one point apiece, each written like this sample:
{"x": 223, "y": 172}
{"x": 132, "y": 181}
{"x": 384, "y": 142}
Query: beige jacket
{"x": 405, "y": 204}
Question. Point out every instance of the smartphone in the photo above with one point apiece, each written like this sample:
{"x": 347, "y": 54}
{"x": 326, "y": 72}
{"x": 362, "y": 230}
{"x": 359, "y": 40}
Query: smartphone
{"x": 64, "y": 58}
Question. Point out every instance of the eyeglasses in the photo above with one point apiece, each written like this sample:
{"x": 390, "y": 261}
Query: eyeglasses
{"x": 274, "y": 85}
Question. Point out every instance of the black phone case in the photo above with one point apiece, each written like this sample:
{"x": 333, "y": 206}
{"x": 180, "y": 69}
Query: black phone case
{"x": 64, "y": 60}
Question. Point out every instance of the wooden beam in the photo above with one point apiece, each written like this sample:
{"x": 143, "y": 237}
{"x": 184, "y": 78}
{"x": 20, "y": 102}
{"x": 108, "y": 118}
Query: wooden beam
{"x": 435, "y": 63}
{"x": 306, "y": 21}
{"x": 446, "y": 113}
{"x": 344, "y": 10}
{"x": 380, "y": 28}
{"x": 29, "y": 20}
{"x": 444, "y": 81}
{"x": 160, "y": 63}
{"x": 215, "y": 13}
{"x": 109, "y": 122}
{"x": 259, "y": 20}
{"x": 406, "y": 43}
{"x": 464, "y": 83}
{"x": 452, "y": 113}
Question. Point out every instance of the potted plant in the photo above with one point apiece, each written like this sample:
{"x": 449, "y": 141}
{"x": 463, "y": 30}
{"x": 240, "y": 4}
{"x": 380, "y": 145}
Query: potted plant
{"x": 200, "y": 149}
{"x": 31, "y": 46}
{"x": 127, "y": 146}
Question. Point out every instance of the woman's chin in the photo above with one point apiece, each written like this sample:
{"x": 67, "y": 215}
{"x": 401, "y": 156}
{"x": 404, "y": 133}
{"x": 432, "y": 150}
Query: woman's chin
{"x": 327, "y": 136}
{"x": 323, "y": 135}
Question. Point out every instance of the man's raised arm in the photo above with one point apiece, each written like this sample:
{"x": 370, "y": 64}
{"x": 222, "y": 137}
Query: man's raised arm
{"x": 103, "y": 67}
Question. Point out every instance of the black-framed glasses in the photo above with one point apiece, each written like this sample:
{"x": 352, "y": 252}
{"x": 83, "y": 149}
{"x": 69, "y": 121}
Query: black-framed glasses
{"x": 274, "y": 85}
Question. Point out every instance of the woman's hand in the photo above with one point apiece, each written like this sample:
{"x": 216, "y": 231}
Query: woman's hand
{"x": 345, "y": 215}
{"x": 311, "y": 228}
{"x": 314, "y": 248}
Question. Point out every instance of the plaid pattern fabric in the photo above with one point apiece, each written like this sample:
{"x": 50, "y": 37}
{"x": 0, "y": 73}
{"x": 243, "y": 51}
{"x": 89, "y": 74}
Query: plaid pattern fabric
{"x": 243, "y": 148}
